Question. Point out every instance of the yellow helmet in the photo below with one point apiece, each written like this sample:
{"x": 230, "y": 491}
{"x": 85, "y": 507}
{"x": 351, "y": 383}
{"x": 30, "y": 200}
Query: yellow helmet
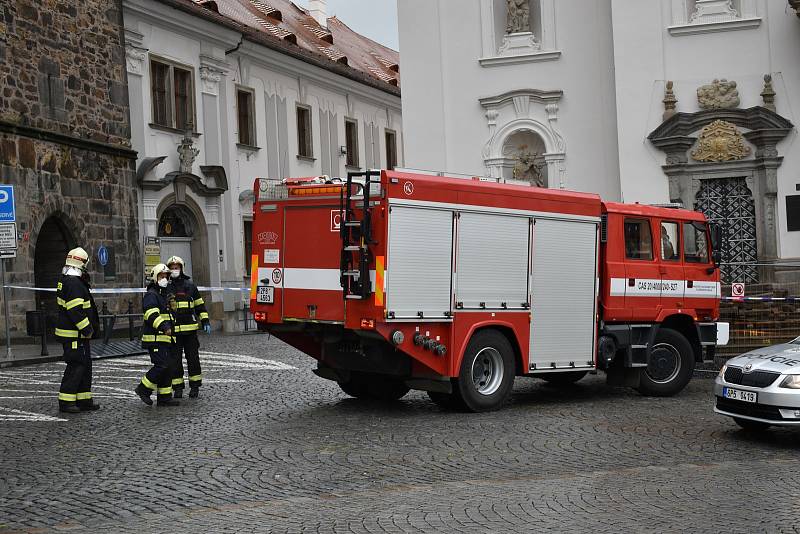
{"x": 158, "y": 269}
{"x": 78, "y": 258}
{"x": 175, "y": 259}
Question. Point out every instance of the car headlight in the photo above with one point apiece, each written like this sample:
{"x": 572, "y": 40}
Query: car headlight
{"x": 722, "y": 371}
{"x": 791, "y": 382}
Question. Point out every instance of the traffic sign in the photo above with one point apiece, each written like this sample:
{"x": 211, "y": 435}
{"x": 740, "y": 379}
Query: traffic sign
{"x": 8, "y": 240}
{"x": 102, "y": 255}
{"x": 8, "y": 213}
{"x": 737, "y": 289}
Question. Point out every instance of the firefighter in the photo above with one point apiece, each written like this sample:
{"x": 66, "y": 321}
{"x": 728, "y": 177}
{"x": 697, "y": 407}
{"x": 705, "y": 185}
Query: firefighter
{"x": 190, "y": 312}
{"x": 77, "y": 322}
{"x": 158, "y": 338}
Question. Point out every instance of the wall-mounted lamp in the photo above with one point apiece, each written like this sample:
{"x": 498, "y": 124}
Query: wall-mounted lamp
{"x": 342, "y": 150}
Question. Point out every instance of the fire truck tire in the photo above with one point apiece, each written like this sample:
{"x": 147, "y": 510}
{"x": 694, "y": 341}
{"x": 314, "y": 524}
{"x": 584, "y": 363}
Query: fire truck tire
{"x": 487, "y": 372}
{"x": 355, "y": 389}
{"x": 671, "y": 365}
{"x": 563, "y": 379}
{"x": 446, "y": 401}
{"x": 375, "y": 387}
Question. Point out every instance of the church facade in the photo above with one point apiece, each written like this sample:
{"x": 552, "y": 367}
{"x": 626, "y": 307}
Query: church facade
{"x": 665, "y": 101}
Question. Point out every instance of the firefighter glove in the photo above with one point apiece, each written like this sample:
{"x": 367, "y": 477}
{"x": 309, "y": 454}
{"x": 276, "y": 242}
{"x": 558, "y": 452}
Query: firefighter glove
{"x": 206, "y": 327}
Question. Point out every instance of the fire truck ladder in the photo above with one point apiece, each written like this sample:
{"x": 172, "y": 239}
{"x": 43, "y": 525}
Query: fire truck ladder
{"x": 356, "y": 235}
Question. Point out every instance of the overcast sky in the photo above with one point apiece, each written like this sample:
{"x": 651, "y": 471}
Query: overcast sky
{"x": 376, "y": 19}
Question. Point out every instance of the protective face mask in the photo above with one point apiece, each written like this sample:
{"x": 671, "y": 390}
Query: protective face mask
{"x": 72, "y": 271}
{"x": 163, "y": 282}
{"x": 175, "y": 273}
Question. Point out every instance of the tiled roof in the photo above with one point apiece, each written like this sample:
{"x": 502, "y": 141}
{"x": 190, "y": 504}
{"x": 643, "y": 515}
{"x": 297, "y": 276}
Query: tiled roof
{"x": 284, "y": 20}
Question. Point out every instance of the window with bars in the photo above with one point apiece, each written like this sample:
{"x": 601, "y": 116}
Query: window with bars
{"x": 172, "y": 91}
{"x": 304, "y": 139}
{"x": 351, "y": 140}
{"x": 245, "y": 113}
{"x": 391, "y": 149}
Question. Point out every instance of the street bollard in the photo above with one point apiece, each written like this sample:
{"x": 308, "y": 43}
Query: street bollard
{"x": 43, "y": 325}
{"x": 130, "y": 320}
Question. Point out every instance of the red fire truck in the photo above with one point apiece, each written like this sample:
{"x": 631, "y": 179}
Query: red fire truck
{"x": 395, "y": 280}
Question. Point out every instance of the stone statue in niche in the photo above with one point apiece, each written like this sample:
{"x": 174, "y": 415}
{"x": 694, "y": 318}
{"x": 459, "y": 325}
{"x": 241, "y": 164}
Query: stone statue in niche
{"x": 187, "y": 153}
{"x": 719, "y": 94}
{"x": 518, "y": 18}
{"x": 529, "y": 167}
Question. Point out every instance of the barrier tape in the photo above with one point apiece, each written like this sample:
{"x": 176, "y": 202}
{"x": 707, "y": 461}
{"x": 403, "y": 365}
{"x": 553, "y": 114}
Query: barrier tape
{"x": 123, "y": 290}
{"x": 761, "y": 299}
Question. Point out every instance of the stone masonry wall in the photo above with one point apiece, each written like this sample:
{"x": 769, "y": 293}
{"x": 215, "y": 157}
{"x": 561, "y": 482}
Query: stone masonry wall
{"x": 65, "y": 138}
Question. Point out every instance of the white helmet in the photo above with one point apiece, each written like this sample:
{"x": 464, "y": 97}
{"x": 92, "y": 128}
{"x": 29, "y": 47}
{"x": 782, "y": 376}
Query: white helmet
{"x": 175, "y": 259}
{"x": 158, "y": 269}
{"x": 78, "y": 258}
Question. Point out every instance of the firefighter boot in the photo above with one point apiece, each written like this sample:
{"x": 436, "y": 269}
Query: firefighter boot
{"x": 178, "y": 393}
{"x": 194, "y": 392}
{"x": 89, "y": 407}
{"x": 68, "y": 407}
{"x": 168, "y": 402}
{"x": 144, "y": 394}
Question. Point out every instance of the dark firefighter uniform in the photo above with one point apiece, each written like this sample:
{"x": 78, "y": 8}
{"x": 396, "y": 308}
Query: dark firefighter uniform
{"x": 77, "y": 322}
{"x": 157, "y": 322}
{"x": 190, "y": 312}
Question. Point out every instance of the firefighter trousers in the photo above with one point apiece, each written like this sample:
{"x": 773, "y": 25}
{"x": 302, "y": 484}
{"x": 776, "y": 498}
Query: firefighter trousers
{"x": 188, "y": 345}
{"x": 158, "y": 377}
{"x": 76, "y": 385}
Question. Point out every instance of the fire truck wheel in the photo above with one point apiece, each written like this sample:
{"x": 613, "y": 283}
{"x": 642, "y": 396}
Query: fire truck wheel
{"x": 447, "y": 401}
{"x": 563, "y": 379}
{"x": 487, "y": 372}
{"x": 671, "y": 365}
{"x": 355, "y": 388}
{"x": 375, "y": 387}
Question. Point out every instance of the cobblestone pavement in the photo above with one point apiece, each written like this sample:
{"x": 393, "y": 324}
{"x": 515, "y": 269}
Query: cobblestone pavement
{"x": 269, "y": 447}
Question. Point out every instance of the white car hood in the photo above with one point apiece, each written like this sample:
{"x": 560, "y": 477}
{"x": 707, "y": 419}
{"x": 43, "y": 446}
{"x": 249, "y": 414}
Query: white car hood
{"x": 783, "y": 358}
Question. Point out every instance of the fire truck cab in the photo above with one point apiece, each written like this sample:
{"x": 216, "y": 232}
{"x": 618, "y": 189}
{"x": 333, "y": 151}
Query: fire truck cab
{"x": 396, "y": 280}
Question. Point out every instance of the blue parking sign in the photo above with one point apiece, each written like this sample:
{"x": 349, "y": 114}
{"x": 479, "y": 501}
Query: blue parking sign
{"x": 7, "y": 211}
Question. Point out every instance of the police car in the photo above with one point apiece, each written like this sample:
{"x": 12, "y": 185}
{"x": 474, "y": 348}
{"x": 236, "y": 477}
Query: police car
{"x": 761, "y": 388}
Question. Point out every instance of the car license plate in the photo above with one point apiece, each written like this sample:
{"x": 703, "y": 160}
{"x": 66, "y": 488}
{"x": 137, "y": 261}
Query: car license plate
{"x": 738, "y": 394}
{"x": 265, "y": 294}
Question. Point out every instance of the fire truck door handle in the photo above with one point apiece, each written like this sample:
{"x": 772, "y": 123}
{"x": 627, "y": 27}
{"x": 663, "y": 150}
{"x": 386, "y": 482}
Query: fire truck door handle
{"x": 690, "y": 283}
{"x": 631, "y": 282}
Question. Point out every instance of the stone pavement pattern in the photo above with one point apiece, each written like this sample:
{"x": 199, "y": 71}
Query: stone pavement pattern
{"x": 269, "y": 447}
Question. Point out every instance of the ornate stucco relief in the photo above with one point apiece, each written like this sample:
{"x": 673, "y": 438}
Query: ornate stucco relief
{"x": 719, "y": 94}
{"x": 720, "y": 141}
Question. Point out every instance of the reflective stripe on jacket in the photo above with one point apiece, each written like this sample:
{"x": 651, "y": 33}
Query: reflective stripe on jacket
{"x": 157, "y": 318}
{"x": 189, "y": 307}
{"x": 77, "y": 312}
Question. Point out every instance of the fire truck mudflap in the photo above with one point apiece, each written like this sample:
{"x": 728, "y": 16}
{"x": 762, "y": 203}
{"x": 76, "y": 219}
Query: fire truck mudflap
{"x": 395, "y": 280}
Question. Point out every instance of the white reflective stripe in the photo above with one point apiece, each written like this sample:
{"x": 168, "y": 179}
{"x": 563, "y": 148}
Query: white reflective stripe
{"x": 654, "y": 287}
{"x": 321, "y": 279}
{"x": 618, "y": 287}
{"x": 314, "y": 279}
{"x": 704, "y": 290}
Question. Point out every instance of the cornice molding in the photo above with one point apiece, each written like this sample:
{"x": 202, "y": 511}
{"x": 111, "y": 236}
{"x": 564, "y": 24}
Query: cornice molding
{"x": 66, "y": 139}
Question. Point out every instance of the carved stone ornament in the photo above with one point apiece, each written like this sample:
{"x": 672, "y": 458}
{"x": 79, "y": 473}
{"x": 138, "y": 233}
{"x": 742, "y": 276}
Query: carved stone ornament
{"x": 187, "y": 154}
{"x": 669, "y": 101}
{"x": 210, "y": 79}
{"x": 134, "y": 59}
{"x": 518, "y": 17}
{"x": 768, "y": 93}
{"x": 719, "y": 94}
{"x": 720, "y": 141}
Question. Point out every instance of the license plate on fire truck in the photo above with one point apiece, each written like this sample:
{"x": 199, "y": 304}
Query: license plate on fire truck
{"x": 738, "y": 394}
{"x": 265, "y": 294}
